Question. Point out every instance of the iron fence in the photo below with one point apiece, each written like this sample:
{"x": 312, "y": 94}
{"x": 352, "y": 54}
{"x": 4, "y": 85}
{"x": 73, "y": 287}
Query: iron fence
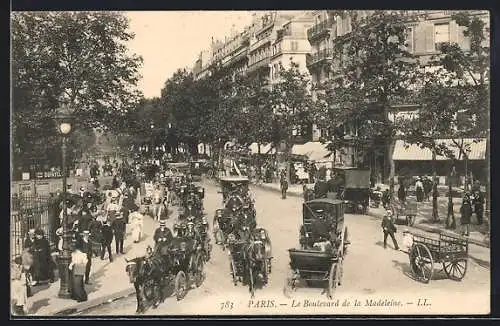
{"x": 31, "y": 212}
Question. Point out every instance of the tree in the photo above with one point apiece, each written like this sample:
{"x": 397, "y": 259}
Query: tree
{"x": 371, "y": 66}
{"x": 77, "y": 58}
{"x": 454, "y": 101}
{"x": 292, "y": 106}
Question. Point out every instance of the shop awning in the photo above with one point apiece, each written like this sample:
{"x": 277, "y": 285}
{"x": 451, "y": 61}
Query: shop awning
{"x": 264, "y": 148}
{"x": 315, "y": 151}
{"x": 415, "y": 153}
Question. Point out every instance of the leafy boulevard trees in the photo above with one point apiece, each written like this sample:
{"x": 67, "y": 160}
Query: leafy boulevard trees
{"x": 454, "y": 101}
{"x": 78, "y": 59}
{"x": 372, "y": 67}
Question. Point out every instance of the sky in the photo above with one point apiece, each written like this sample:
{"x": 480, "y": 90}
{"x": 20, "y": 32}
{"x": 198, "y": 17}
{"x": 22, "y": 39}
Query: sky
{"x": 169, "y": 40}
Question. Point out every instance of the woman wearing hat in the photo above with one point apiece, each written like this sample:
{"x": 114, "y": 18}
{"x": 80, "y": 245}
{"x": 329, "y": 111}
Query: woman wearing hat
{"x": 389, "y": 228}
{"x": 77, "y": 268}
{"x": 465, "y": 214}
{"x": 42, "y": 269}
{"x": 137, "y": 219}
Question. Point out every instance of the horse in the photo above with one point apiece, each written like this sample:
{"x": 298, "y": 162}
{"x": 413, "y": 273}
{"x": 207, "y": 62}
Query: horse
{"x": 256, "y": 262}
{"x": 148, "y": 274}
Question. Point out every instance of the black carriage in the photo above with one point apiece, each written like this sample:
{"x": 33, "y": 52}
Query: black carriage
{"x": 353, "y": 186}
{"x": 450, "y": 251}
{"x": 323, "y": 241}
{"x": 196, "y": 169}
{"x": 188, "y": 265}
{"x": 200, "y": 232}
{"x": 223, "y": 225}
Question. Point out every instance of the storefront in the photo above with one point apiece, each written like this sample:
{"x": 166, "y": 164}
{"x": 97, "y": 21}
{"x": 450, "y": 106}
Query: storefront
{"x": 412, "y": 160}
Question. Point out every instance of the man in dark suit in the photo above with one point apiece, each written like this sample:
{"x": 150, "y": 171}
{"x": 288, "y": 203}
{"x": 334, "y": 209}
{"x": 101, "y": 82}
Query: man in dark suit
{"x": 320, "y": 228}
{"x": 162, "y": 234}
{"x": 389, "y": 228}
{"x": 86, "y": 247}
{"x": 107, "y": 238}
{"x": 119, "y": 227}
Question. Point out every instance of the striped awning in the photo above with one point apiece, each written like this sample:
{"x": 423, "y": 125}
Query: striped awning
{"x": 411, "y": 152}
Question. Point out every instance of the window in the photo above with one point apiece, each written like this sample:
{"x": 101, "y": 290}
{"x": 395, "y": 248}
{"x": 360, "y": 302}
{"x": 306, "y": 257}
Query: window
{"x": 410, "y": 39}
{"x": 295, "y": 45}
{"x": 441, "y": 34}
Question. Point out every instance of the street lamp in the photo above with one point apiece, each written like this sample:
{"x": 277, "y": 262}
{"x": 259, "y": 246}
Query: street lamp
{"x": 64, "y": 127}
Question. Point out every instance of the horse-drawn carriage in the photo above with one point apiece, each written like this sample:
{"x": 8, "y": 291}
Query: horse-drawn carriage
{"x": 323, "y": 241}
{"x": 451, "y": 251}
{"x": 191, "y": 201}
{"x": 354, "y": 188}
{"x": 232, "y": 185}
{"x": 179, "y": 262}
{"x": 407, "y": 210}
{"x": 250, "y": 258}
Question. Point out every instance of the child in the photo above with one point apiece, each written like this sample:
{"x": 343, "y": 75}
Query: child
{"x": 19, "y": 290}
{"x": 407, "y": 241}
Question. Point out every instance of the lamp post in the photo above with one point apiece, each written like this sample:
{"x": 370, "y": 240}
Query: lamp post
{"x": 64, "y": 128}
{"x": 152, "y": 143}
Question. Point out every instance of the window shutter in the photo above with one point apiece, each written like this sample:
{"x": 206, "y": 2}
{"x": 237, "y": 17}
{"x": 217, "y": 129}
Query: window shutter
{"x": 463, "y": 41}
{"x": 419, "y": 37}
{"x": 453, "y": 32}
{"x": 429, "y": 38}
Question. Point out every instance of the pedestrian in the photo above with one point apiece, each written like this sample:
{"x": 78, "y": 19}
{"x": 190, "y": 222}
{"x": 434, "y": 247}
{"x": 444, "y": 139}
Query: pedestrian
{"x": 386, "y": 198}
{"x": 119, "y": 228}
{"x": 283, "y": 184}
{"x": 428, "y": 187}
{"x": 419, "y": 188}
{"x": 465, "y": 214}
{"x": 106, "y": 238}
{"x": 402, "y": 192}
{"x": 389, "y": 228}
{"x": 19, "y": 291}
{"x": 407, "y": 241}
{"x": 43, "y": 266}
{"x": 478, "y": 200}
{"x": 86, "y": 247}
{"x": 137, "y": 221}
{"x": 77, "y": 271}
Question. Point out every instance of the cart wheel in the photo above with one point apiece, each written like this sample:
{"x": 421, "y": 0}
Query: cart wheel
{"x": 251, "y": 284}
{"x": 421, "y": 262}
{"x": 333, "y": 280}
{"x": 199, "y": 273}
{"x": 290, "y": 285}
{"x": 455, "y": 270}
{"x": 180, "y": 285}
{"x": 232, "y": 267}
{"x": 410, "y": 220}
{"x": 345, "y": 241}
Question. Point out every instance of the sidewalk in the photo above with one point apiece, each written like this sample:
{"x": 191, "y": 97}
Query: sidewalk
{"x": 478, "y": 233}
{"x": 109, "y": 280}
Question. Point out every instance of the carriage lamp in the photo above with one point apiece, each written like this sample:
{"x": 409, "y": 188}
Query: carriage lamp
{"x": 63, "y": 121}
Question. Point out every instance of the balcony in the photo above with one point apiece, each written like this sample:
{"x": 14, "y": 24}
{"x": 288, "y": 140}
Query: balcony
{"x": 325, "y": 54}
{"x": 263, "y": 63}
{"x": 318, "y": 30}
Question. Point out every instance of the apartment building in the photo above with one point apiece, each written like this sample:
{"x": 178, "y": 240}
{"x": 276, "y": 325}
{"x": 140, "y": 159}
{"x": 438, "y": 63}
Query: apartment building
{"x": 424, "y": 36}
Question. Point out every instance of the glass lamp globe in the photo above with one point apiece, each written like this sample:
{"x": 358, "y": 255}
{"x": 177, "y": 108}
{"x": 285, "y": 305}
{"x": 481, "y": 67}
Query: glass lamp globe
{"x": 65, "y": 128}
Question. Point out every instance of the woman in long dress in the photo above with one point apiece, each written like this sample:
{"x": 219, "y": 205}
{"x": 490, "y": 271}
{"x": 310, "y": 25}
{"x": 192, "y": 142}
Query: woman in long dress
{"x": 42, "y": 270}
{"x": 19, "y": 296}
{"x": 77, "y": 268}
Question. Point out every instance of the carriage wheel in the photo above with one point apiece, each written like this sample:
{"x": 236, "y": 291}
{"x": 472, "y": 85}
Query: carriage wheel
{"x": 333, "y": 279}
{"x": 455, "y": 270}
{"x": 199, "y": 273}
{"x": 266, "y": 270}
{"x": 251, "y": 285}
{"x": 410, "y": 220}
{"x": 180, "y": 285}
{"x": 232, "y": 267}
{"x": 421, "y": 262}
{"x": 290, "y": 285}
{"x": 345, "y": 241}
